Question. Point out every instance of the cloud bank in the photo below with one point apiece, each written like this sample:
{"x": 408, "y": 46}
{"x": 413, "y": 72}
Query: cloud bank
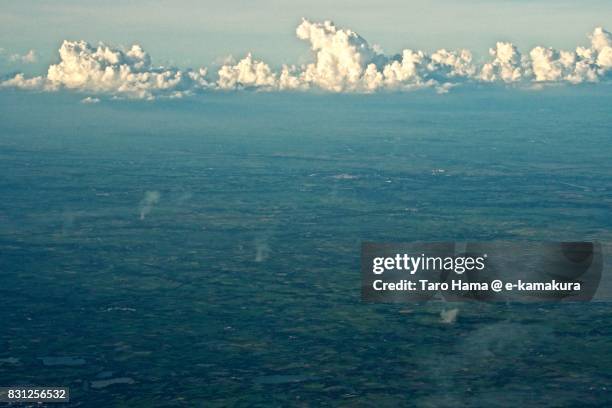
{"x": 343, "y": 61}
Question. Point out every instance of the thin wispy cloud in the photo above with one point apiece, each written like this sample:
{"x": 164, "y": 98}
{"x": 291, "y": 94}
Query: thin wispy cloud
{"x": 90, "y": 100}
{"x": 151, "y": 198}
{"x": 29, "y": 57}
{"x": 342, "y": 61}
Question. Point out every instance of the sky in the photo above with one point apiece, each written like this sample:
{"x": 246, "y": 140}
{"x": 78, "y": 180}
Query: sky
{"x": 161, "y": 48}
{"x": 189, "y": 32}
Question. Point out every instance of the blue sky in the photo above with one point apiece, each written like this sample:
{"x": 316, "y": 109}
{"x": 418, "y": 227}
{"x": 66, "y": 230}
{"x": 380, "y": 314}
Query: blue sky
{"x": 188, "y": 32}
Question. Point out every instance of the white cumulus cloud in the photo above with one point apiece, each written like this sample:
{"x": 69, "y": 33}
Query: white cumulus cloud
{"x": 247, "y": 73}
{"x": 115, "y": 71}
{"x": 342, "y": 58}
{"x": 21, "y": 82}
{"x": 506, "y": 65}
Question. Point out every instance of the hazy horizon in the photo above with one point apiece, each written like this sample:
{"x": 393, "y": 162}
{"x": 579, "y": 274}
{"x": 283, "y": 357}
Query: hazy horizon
{"x": 188, "y": 33}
